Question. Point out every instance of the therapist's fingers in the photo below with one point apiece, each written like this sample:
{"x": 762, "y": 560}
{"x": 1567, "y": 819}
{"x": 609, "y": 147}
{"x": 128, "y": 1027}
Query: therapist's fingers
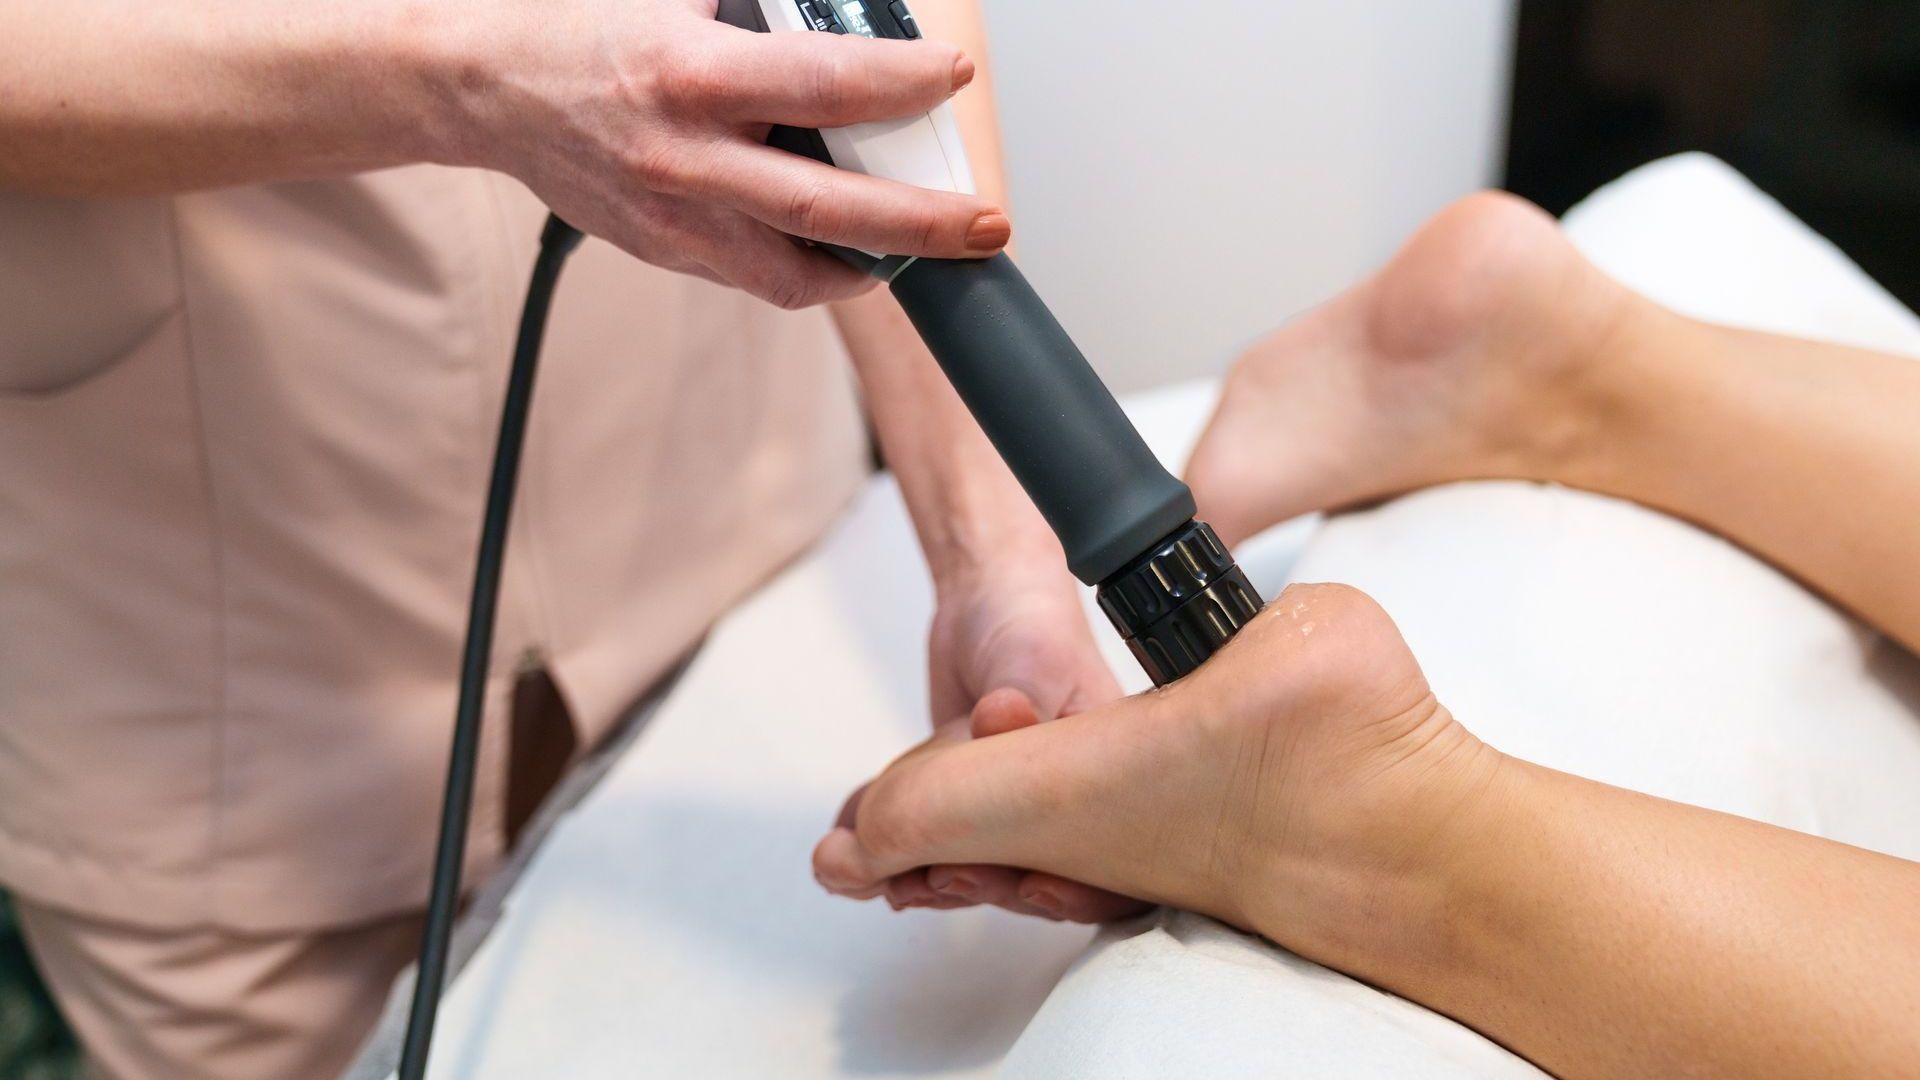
{"x": 1024, "y": 892}
{"x": 979, "y": 883}
{"x": 917, "y": 889}
{"x": 1073, "y": 901}
{"x": 784, "y": 274}
{"x": 911, "y": 890}
{"x": 732, "y": 249}
{"x": 1001, "y": 711}
{"x": 803, "y": 197}
{"x": 756, "y": 259}
{"x": 819, "y": 80}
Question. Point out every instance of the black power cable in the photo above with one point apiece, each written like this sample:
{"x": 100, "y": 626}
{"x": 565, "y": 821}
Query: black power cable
{"x": 557, "y": 241}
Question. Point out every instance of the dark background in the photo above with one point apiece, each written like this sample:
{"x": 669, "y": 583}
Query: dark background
{"x": 1817, "y": 102}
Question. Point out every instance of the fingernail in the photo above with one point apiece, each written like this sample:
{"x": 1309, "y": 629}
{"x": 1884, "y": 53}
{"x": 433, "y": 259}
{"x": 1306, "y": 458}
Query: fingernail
{"x": 963, "y": 72}
{"x": 952, "y": 884}
{"x": 989, "y": 232}
{"x": 1045, "y": 901}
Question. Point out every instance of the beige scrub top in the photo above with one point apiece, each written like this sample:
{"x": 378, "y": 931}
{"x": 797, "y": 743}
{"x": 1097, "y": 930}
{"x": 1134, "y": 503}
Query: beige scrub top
{"x": 244, "y": 442}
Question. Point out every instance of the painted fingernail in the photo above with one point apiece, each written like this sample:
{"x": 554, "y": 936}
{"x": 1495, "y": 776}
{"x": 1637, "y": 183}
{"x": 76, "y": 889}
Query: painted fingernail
{"x": 989, "y": 232}
{"x": 1045, "y": 901}
{"x": 963, "y": 72}
{"x": 952, "y": 884}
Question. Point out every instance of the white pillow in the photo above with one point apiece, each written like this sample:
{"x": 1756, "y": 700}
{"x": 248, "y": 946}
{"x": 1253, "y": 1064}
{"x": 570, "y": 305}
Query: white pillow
{"x": 1573, "y": 630}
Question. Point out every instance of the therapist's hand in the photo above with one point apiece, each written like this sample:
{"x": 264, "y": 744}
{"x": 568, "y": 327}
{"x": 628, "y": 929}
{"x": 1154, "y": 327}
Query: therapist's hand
{"x": 641, "y": 122}
{"x": 1010, "y": 648}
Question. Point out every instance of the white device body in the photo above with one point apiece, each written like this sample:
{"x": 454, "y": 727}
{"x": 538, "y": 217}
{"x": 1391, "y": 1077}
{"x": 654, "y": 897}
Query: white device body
{"x": 924, "y": 150}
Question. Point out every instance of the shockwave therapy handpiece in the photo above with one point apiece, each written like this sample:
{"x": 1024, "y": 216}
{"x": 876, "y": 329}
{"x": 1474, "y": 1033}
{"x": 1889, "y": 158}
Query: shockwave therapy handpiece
{"x": 1165, "y": 580}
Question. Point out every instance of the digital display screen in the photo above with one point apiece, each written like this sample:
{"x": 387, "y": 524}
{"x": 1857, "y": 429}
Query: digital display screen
{"x": 853, "y": 16}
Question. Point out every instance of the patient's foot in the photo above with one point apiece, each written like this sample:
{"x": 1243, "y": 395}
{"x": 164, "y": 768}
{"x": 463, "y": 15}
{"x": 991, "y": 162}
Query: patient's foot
{"x": 1305, "y": 768}
{"x": 1467, "y": 356}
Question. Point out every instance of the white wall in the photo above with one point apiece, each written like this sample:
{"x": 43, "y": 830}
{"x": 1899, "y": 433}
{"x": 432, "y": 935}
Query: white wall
{"x": 1187, "y": 175}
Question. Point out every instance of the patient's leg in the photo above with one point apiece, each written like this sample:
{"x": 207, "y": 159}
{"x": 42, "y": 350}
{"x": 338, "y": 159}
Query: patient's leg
{"x": 1490, "y": 348}
{"x": 1572, "y": 630}
{"x": 1308, "y": 785}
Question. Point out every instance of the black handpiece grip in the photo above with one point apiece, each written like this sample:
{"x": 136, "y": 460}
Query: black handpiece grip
{"x": 1056, "y": 424}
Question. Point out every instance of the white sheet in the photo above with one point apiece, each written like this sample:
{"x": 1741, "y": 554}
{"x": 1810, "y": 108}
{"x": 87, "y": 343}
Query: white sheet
{"x": 1576, "y": 631}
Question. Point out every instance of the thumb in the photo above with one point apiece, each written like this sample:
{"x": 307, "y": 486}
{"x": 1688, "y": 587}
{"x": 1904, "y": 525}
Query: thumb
{"x": 1006, "y": 709}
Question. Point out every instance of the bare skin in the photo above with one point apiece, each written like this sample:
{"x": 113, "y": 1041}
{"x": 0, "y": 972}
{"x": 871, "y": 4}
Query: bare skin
{"x": 640, "y": 121}
{"x": 1307, "y": 786}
